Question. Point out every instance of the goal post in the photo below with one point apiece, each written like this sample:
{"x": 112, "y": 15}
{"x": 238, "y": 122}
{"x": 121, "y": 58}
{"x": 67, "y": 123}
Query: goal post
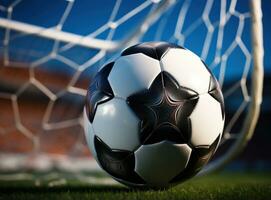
{"x": 252, "y": 116}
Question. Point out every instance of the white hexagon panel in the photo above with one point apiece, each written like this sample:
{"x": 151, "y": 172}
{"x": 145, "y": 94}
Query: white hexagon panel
{"x": 133, "y": 73}
{"x": 187, "y": 68}
{"x": 117, "y": 125}
{"x": 206, "y": 120}
{"x": 158, "y": 163}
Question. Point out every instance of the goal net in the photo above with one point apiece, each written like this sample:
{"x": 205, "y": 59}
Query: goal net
{"x": 49, "y": 52}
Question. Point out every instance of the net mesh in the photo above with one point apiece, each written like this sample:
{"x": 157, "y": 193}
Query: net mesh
{"x": 48, "y": 62}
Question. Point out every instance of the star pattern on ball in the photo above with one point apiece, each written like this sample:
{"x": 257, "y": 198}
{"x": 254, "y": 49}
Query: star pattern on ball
{"x": 99, "y": 91}
{"x": 164, "y": 110}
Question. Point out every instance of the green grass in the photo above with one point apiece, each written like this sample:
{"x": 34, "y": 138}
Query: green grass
{"x": 217, "y": 186}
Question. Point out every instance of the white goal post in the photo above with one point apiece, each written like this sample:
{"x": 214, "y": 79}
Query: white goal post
{"x": 252, "y": 116}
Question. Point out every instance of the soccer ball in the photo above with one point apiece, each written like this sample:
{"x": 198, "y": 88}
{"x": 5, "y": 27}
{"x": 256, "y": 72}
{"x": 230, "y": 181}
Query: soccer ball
{"x": 154, "y": 116}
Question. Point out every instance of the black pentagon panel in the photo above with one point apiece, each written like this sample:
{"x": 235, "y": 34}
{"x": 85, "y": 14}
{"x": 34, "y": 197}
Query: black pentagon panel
{"x": 215, "y": 92}
{"x": 99, "y": 91}
{"x": 164, "y": 110}
{"x": 118, "y": 163}
{"x": 152, "y": 49}
{"x": 199, "y": 158}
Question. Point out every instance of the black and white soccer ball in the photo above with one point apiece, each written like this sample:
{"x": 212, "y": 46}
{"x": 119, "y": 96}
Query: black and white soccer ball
{"x": 154, "y": 116}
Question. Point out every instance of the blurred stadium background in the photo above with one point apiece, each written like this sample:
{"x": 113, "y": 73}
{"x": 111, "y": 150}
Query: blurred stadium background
{"x": 43, "y": 79}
